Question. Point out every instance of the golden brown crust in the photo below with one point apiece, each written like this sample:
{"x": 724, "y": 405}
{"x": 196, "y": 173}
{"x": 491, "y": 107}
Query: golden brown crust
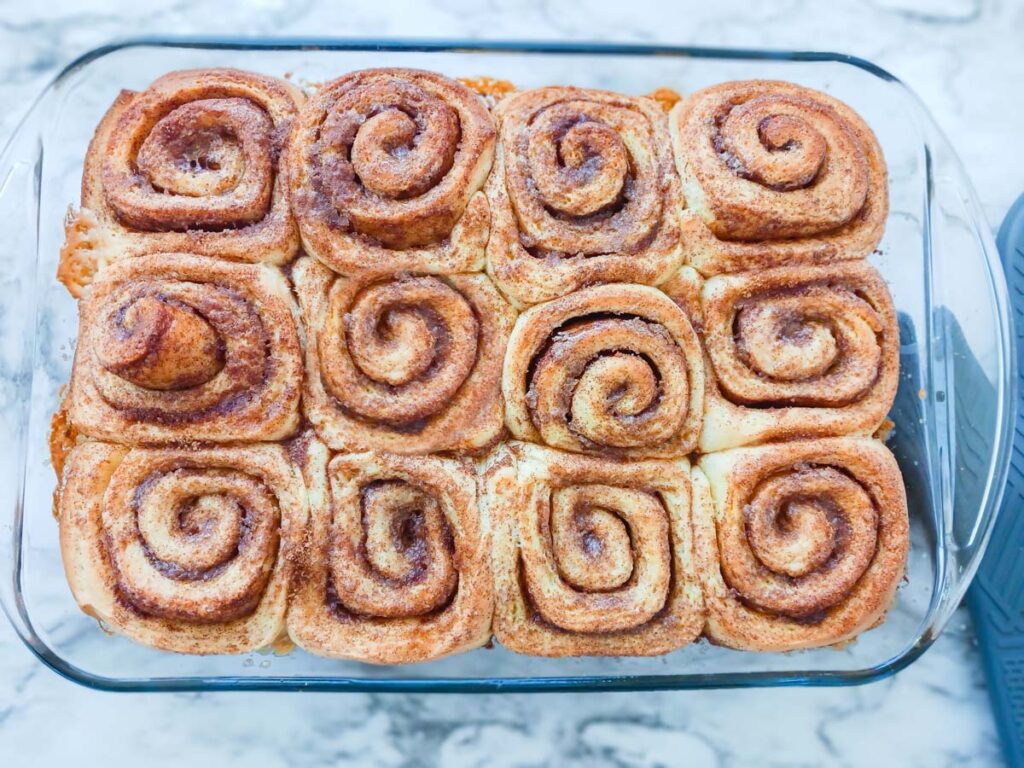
{"x": 189, "y": 164}
{"x": 410, "y": 364}
{"x": 87, "y": 248}
{"x": 395, "y": 562}
{"x": 583, "y": 191}
{"x": 175, "y": 347}
{"x": 775, "y": 173}
{"x": 591, "y": 557}
{"x": 797, "y": 352}
{"x": 614, "y": 369}
{"x": 798, "y": 545}
{"x": 182, "y": 550}
{"x": 385, "y": 173}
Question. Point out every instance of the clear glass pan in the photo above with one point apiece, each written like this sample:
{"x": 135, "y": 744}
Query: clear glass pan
{"x": 953, "y": 412}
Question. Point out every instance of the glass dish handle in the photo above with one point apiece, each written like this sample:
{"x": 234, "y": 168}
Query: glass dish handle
{"x": 21, "y": 163}
{"x": 971, "y": 384}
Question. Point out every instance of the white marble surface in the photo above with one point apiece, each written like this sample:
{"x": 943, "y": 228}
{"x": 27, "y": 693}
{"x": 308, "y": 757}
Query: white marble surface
{"x": 966, "y": 60}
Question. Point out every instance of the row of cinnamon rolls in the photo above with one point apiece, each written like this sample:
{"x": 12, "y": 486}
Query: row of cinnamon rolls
{"x": 387, "y": 558}
{"x": 392, "y": 170}
{"x": 176, "y": 348}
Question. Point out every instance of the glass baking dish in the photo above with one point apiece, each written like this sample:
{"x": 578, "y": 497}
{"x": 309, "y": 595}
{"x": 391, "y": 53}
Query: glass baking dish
{"x": 953, "y": 412}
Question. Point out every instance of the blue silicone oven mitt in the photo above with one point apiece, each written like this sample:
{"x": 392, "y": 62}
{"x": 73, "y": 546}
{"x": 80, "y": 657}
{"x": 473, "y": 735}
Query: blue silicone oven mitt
{"x": 996, "y": 597}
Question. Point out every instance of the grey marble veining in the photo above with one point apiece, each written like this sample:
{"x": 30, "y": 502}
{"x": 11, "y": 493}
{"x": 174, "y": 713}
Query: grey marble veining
{"x": 964, "y": 58}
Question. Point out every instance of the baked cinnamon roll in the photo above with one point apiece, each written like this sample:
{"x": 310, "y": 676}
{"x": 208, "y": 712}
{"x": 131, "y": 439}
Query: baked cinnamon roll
{"x": 591, "y": 557}
{"x": 774, "y": 173}
{"x": 797, "y": 352}
{"x": 410, "y": 364}
{"x": 614, "y": 370}
{"x": 395, "y": 562}
{"x": 583, "y": 191}
{"x": 176, "y": 347}
{"x": 182, "y": 550}
{"x": 190, "y": 164}
{"x": 386, "y": 170}
{"x": 798, "y": 545}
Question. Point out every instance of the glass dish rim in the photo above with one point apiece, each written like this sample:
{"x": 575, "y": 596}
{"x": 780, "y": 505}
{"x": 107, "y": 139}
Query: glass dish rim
{"x": 1006, "y": 387}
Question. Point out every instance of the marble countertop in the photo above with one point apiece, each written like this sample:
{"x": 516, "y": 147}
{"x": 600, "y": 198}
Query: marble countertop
{"x": 963, "y": 57}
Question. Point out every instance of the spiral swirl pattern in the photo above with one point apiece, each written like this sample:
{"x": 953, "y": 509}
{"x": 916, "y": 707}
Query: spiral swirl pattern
{"x": 799, "y": 544}
{"x": 613, "y": 369}
{"x": 189, "y": 164}
{"x": 775, "y": 173}
{"x": 396, "y": 560}
{"x": 604, "y": 563}
{"x": 584, "y": 191}
{"x": 182, "y": 549}
{"x": 174, "y": 347}
{"x": 409, "y": 364}
{"x": 810, "y": 351}
{"x": 590, "y": 555}
{"x": 385, "y": 172}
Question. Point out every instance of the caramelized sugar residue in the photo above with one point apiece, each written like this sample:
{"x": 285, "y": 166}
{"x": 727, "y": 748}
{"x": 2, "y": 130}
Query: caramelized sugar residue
{"x": 885, "y": 430}
{"x": 63, "y": 437}
{"x": 666, "y": 97}
{"x": 491, "y": 89}
{"x": 494, "y": 90}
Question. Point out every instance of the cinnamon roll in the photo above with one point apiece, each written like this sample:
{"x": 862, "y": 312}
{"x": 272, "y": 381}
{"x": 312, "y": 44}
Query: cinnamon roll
{"x": 386, "y": 170}
{"x": 395, "y": 562}
{"x": 797, "y": 352}
{"x": 614, "y": 370}
{"x": 176, "y": 347}
{"x": 583, "y": 191}
{"x": 774, "y": 173}
{"x": 189, "y": 164}
{"x": 591, "y": 557}
{"x": 182, "y": 550}
{"x": 410, "y": 364}
{"x": 798, "y": 545}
